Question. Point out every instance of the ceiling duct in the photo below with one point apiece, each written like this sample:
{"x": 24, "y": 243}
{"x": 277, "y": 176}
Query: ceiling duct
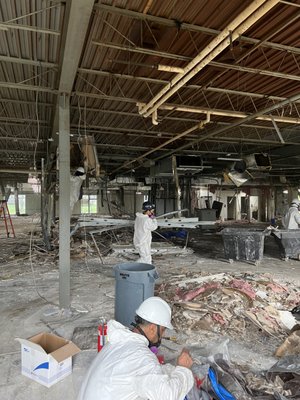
{"x": 184, "y": 165}
{"x": 258, "y": 161}
{"x": 189, "y": 163}
{"x": 240, "y": 166}
{"x": 236, "y": 177}
{"x": 241, "y": 170}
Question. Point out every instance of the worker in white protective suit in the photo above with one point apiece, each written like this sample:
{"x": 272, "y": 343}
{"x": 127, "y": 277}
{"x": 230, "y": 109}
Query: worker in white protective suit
{"x": 126, "y": 368}
{"x": 291, "y": 219}
{"x": 76, "y": 182}
{"x": 144, "y": 224}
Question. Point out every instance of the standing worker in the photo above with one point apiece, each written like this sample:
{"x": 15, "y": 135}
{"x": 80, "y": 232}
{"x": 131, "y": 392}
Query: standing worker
{"x": 126, "y": 368}
{"x": 144, "y": 224}
{"x": 291, "y": 219}
{"x": 76, "y": 182}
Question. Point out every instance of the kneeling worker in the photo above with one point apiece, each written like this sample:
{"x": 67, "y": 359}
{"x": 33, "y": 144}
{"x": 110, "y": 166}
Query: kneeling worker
{"x": 126, "y": 368}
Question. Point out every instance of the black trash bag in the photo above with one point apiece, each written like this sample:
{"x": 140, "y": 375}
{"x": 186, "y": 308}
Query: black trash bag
{"x": 288, "y": 370}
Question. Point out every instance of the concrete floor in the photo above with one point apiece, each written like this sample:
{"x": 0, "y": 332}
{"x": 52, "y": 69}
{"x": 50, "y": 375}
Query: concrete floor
{"x": 29, "y": 289}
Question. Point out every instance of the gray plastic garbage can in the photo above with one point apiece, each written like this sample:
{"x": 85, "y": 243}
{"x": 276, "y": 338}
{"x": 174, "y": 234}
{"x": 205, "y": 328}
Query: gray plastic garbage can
{"x": 134, "y": 284}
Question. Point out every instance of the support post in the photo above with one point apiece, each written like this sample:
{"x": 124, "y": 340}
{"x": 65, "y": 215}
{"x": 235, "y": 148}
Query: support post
{"x": 16, "y": 193}
{"x": 45, "y": 209}
{"x": 64, "y": 201}
{"x": 177, "y": 186}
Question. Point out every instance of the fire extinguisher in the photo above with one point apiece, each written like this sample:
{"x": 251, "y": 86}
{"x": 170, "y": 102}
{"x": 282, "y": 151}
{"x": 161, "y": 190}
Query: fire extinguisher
{"x": 102, "y": 334}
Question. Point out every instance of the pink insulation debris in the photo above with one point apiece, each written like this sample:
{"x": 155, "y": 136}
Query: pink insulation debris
{"x": 190, "y": 295}
{"x": 218, "y": 317}
{"x": 244, "y": 287}
{"x": 276, "y": 288}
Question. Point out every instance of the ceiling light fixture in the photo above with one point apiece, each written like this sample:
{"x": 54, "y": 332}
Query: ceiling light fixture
{"x": 229, "y": 159}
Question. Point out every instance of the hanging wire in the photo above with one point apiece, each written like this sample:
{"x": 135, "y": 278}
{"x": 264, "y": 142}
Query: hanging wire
{"x": 32, "y": 268}
{"x": 38, "y": 121}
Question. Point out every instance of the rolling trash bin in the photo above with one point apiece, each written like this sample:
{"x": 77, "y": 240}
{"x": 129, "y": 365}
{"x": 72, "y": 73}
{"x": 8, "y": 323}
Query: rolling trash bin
{"x": 134, "y": 284}
{"x": 288, "y": 241}
{"x": 243, "y": 244}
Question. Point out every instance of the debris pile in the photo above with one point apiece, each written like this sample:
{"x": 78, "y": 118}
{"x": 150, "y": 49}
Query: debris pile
{"x": 250, "y": 309}
{"x": 230, "y": 305}
{"x": 217, "y": 375}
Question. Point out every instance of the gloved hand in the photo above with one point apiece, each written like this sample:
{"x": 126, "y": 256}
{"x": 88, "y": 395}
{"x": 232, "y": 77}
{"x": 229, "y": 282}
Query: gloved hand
{"x": 185, "y": 359}
{"x": 152, "y": 216}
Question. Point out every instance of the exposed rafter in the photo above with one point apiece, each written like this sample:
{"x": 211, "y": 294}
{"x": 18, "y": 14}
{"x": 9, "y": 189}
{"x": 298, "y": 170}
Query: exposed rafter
{"x": 188, "y": 27}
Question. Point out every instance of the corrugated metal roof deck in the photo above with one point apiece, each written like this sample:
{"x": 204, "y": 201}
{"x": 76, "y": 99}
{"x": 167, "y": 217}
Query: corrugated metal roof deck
{"x": 124, "y": 44}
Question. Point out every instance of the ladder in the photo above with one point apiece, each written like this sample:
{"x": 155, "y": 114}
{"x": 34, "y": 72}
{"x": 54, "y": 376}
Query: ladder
{"x": 5, "y": 216}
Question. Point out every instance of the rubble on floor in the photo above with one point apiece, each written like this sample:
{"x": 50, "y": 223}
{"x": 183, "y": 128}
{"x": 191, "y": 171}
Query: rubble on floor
{"x": 249, "y": 308}
{"x": 228, "y": 304}
{"x": 232, "y": 322}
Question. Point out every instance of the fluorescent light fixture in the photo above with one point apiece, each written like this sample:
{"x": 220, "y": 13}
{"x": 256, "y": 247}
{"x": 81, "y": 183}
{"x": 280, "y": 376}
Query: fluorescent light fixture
{"x": 229, "y": 159}
{"x": 285, "y": 191}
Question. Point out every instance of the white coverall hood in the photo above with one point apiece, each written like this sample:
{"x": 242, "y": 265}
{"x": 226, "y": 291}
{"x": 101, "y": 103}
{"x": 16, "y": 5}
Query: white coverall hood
{"x": 126, "y": 369}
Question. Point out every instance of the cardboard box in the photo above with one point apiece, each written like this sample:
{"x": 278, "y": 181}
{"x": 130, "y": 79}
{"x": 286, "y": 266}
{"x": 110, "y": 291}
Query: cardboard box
{"x": 47, "y": 358}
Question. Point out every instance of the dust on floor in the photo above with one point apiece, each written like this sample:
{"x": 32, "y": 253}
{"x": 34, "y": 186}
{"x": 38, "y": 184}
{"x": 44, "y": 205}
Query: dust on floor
{"x": 30, "y": 286}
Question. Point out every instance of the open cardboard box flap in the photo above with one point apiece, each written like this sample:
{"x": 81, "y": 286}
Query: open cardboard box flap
{"x": 28, "y": 343}
{"x": 53, "y": 345}
{"x": 64, "y": 352}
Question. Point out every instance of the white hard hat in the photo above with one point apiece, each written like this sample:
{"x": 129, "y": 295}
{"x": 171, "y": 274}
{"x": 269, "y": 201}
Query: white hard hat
{"x": 80, "y": 169}
{"x": 157, "y": 311}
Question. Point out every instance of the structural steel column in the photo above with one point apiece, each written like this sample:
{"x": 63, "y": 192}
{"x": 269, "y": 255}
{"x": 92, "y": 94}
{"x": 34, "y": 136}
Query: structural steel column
{"x": 64, "y": 201}
{"x": 16, "y": 193}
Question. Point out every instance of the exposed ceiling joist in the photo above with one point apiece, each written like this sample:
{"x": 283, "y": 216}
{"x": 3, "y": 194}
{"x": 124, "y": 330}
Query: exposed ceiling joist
{"x": 212, "y": 63}
{"x": 17, "y": 60}
{"x": 188, "y": 27}
{"x": 106, "y": 83}
{"x": 238, "y": 123}
{"x": 202, "y": 138}
{"x": 165, "y": 82}
{"x": 7, "y": 26}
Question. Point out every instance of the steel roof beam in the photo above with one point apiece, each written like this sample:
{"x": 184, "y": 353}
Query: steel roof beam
{"x": 165, "y": 82}
{"x": 77, "y": 19}
{"x": 190, "y": 27}
{"x": 238, "y": 123}
{"x": 119, "y": 131}
{"x": 218, "y": 64}
{"x": 205, "y": 137}
{"x": 167, "y": 135}
{"x": 16, "y": 171}
{"x": 23, "y": 86}
{"x": 6, "y": 26}
{"x": 22, "y": 120}
{"x": 17, "y": 151}
{"x": 31, "y": 103}
{"x": 21, "y": 139}
{"x": 25, "y": 61}
{"x": 255, "y": 71}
